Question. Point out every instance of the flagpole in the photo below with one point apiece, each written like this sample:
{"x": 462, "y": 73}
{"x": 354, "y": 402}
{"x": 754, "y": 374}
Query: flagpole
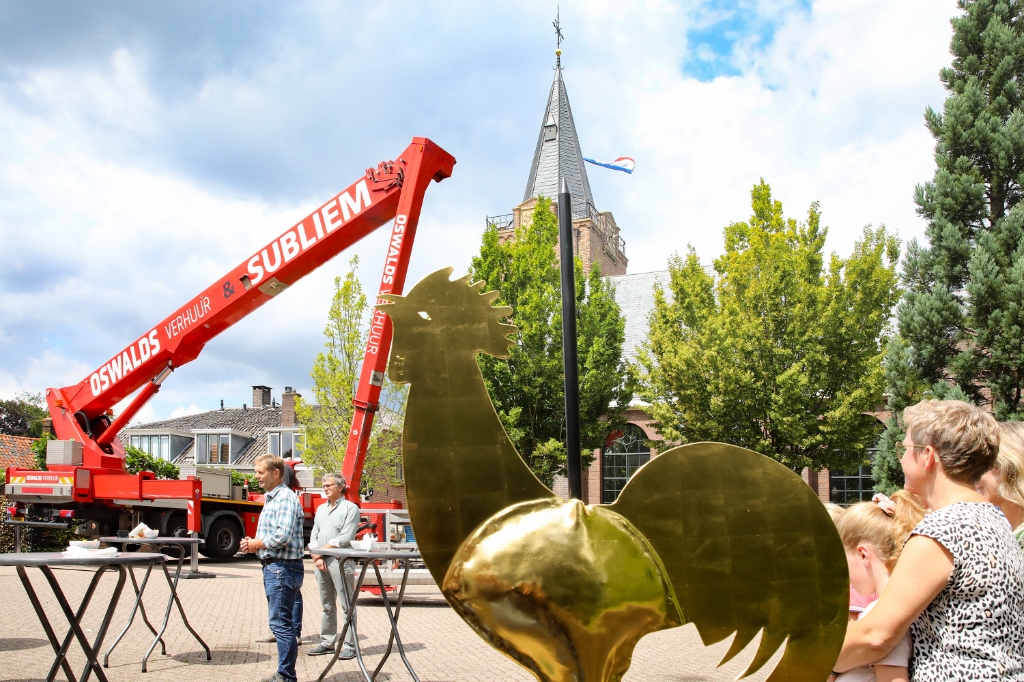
{"x": 574, "y": 465}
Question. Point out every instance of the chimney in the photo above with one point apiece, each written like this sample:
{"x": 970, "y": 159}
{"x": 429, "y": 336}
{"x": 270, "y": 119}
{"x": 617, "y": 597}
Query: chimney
{"x": 288, "y": 407}
{"x": 260, "y": 397}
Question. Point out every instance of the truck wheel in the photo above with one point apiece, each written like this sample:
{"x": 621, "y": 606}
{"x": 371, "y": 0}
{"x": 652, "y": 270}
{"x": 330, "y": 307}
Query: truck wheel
{"x": 222, "y": 541}
{"x": 178, "y": 527}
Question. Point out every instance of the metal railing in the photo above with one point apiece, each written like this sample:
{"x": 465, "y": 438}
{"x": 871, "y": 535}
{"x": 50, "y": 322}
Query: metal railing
{"x": 580, "y": 209}
{"x": 502, "y": 222}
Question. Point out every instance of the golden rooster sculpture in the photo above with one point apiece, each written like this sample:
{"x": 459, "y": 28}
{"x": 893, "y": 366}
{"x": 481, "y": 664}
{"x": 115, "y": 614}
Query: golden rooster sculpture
{"x": 707, "y": 533}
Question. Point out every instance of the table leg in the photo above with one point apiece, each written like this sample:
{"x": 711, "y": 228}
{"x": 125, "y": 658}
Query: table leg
{"x": 174, "y": 595}
{"x": 75, "y": 621}
{"x": 41, "y": 614}
{"x": 394, "y": 637}
{"x": 131, "y": 618}
{"x": 350, "y": 621}
{"x": 93, "y": 663}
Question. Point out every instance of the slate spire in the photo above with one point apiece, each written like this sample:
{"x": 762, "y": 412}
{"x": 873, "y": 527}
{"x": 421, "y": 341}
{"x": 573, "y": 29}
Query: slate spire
{"x": 558, "y": 152}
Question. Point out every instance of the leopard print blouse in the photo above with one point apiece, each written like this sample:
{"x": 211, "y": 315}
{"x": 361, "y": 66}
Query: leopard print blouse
{"x": 974, "y": 628}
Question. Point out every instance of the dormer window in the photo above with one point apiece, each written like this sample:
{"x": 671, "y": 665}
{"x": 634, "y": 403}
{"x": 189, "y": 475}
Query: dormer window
{"x": 550, "y": 129}
{"x": 161, "y": 444}
{"x": 286, "y": 442}
{"x": 219, "y": 446}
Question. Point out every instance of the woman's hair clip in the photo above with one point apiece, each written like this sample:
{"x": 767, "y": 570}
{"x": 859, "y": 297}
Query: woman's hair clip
{"x": 884, "y": 503}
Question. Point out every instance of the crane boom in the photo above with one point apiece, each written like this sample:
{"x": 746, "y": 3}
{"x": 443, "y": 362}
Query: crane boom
{"x": 392, "y": 191}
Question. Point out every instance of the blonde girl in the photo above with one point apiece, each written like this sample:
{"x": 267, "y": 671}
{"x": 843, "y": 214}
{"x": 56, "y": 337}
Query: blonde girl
{"x": 1003, "y": 484}
{"x": 873, "y": 534}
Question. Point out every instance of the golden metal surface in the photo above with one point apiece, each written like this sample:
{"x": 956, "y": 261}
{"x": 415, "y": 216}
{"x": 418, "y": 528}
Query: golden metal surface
{"x": 747, "y": 545}
{"x": 566, "y": 590}
{"x": 460, "y": 467}
{"x": 705, "y": 533}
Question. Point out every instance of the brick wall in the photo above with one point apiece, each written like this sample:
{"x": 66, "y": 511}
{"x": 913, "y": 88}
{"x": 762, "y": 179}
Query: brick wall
{"x": 819, "y": 482}
{"x": 590, "y": 246}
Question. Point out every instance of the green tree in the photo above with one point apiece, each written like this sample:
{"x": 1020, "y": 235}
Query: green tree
{"x": 38, "y": 448}
{"x": 961, "y": 323}
{"x": 776, "y": 351}
{"x": 335, "y": 377}
{"x": 136, "y": 460}
{"x": 527, "y": 389}
{"x": 23, "y": 415}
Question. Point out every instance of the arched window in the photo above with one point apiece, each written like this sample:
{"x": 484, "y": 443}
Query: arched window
{"x": 624, "y": 452}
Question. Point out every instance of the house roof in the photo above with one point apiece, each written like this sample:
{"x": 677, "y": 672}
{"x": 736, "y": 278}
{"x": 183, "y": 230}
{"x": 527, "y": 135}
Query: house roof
{"x": 558, "y": 153}
{"x": 16, "y": 451}
{"x": 635, "y": 296}
{"x": 253, "y": 421}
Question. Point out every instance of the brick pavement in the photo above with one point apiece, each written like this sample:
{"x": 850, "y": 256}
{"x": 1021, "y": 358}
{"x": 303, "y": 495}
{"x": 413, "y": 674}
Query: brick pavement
{"x": 229, "y": 612}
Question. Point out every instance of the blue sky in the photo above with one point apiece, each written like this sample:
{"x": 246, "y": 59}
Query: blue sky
{"x": 148, "y": 147}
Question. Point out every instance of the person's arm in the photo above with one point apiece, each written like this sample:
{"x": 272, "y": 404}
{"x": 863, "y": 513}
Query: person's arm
{"x": 314, "y": 535}
{"x": 347, "y": 533}
{"x": 891, "y": 673}
{"x": 921, "y": 573}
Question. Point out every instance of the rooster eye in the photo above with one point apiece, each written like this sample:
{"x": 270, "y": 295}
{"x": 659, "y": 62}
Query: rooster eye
{"x": 423, "y": 314}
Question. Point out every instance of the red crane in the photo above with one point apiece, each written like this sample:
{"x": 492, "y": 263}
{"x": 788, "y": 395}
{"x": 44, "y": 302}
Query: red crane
{"x": 393, "y": 191}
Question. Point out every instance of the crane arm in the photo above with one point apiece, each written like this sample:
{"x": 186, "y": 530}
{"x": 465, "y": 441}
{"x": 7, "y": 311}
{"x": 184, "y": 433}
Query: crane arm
{"x": 80, "y": 411}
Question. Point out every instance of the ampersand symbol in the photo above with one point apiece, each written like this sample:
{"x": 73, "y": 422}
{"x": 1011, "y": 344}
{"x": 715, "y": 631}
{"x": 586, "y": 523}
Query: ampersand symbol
{"x": 228, "y": 290}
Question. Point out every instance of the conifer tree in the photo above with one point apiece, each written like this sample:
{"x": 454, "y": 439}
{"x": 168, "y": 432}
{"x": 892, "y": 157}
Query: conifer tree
{"x": 961, "y": 332}
{"x": 527, "y": 389}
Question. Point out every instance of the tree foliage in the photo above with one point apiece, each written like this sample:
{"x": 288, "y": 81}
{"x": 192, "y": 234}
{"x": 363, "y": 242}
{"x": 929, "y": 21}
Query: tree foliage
{"x": 961, "y": 321}
{"x": 23, "y": 415}
{"x": 136, "y": 460}
{"x": 777, "y": 351}
{"x": 528, "y": 389}
{"x": 38, "y": 448}
{"x": 335, "y": 375}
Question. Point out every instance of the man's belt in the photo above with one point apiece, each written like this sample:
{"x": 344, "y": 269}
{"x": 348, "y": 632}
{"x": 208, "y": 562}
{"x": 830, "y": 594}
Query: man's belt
{"x": 277, "y": 560}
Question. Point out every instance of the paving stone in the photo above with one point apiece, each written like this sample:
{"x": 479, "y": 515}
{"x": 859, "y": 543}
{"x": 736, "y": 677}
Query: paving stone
{"x": 230, "y": 613}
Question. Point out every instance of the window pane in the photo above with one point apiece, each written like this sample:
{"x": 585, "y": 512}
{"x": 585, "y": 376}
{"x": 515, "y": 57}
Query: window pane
{"x": 165, "y": 447}
{"x": 275, "y": 444}
{"x": 286, "y": 444}
{"x": 213, "y": 449}
{"x": 145, "y": 444}
{"x": 225, "y": 449}
{"x": 201, "y": 448}
{"x": 135, "y": 441}
{"x": 299, "y": 444}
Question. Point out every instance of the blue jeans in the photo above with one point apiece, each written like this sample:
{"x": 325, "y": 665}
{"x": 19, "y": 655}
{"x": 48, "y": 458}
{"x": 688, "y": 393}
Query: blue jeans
{"x": 282, "y": 581}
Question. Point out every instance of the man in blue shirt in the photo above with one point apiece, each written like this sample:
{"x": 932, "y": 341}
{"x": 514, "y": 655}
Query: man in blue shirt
{"x": 278, "y": 543}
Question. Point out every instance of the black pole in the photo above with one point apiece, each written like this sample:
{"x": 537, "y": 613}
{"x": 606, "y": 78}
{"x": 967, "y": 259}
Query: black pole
{"x": 569, "y": 350}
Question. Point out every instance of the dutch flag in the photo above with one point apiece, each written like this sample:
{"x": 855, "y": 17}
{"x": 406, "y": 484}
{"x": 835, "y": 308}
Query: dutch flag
{"x": 623, "y": 163}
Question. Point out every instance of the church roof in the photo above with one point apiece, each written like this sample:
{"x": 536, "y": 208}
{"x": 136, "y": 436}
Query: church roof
{"x": 558, "y": 154}
{"x": 635, "y": 296}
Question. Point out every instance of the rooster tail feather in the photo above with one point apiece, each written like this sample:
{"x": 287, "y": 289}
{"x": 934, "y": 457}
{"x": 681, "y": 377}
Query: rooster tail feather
{"x": 747, "y": 546}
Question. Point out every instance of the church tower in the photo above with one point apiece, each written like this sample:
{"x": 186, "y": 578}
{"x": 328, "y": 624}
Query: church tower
{"x": 558, "y": 155}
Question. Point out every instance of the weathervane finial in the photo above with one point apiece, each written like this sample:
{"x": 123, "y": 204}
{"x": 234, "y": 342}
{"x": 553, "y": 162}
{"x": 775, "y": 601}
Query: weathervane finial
{"x": 558, "y": 37}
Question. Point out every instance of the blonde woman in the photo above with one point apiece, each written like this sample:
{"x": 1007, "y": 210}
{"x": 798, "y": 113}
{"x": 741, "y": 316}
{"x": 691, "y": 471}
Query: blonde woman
{"x": 1003, "y": 484}
{"x": 959, "y": 584}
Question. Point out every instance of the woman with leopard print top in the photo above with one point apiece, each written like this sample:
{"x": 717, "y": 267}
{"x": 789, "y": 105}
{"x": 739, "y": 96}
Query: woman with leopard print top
{"x": 959, "y": 583}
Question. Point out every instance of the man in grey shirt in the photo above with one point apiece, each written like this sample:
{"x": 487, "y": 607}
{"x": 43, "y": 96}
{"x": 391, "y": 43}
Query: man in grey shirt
{"x": 334, "y": 525}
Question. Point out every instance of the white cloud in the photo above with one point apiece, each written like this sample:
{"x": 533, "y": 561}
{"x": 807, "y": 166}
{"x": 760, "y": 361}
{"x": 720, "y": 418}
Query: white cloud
{"x": 182, "y": 411}
{"x": 127, "y": 186}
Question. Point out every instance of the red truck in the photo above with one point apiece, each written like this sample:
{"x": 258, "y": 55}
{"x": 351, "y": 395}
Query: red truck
{"x": 85, "y": 483}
